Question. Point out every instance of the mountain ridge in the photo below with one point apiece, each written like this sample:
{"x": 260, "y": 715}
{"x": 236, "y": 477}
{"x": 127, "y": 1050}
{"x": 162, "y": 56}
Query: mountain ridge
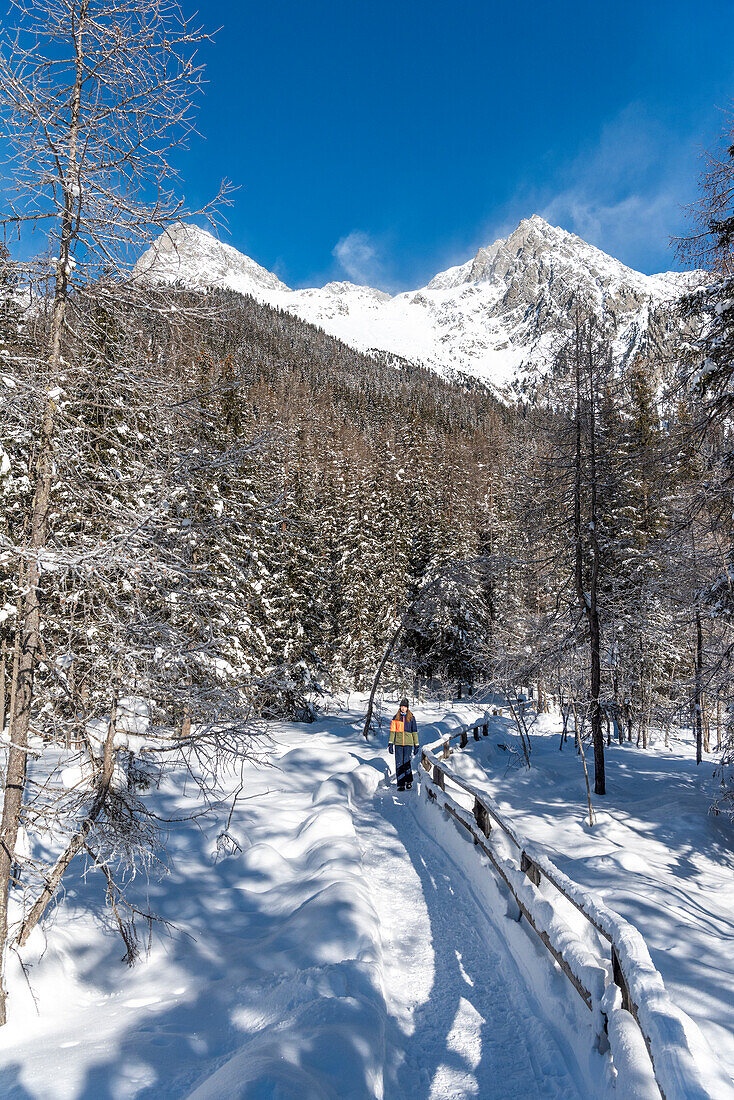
{"x": 493, "y": 317}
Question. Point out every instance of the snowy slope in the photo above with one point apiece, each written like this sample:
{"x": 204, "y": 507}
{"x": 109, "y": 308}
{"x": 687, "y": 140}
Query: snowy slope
{"x": 499, "y": 312}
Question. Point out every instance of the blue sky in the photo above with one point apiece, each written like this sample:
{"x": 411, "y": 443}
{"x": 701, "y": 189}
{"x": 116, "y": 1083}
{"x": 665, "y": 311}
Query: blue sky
{"x": 384, "y": 141}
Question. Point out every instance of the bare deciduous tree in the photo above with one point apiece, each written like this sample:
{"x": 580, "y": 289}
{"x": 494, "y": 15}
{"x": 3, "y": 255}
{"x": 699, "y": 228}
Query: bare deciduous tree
{"x": 93, "y": 96}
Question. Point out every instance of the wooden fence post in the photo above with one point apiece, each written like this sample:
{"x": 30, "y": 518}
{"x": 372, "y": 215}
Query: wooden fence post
{"x": 530, "y": 869}
{"x": 463, "y": 739}
{"x": 482, "y": 817}
{"x": 485, "y": 730}
{"x": 476, "y": 733}
{"x": 446, "y": 749}
{"x": 438, "y": 778}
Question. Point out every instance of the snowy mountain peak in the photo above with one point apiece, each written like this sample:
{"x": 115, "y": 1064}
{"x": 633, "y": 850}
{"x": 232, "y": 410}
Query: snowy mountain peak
{"x": 537, "y": 251}
{"x": 532, "y": 236}
{"x": 190, "y": 255}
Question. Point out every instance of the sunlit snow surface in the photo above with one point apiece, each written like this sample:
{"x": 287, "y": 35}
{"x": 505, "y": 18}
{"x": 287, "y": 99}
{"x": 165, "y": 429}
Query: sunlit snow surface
{"x": 656, "y": 854}
{"x": 355, "y": 946}
{"x": 501, "y": 311}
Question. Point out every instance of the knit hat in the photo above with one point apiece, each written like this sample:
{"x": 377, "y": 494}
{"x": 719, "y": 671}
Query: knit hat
{"x": 404, "y": 703}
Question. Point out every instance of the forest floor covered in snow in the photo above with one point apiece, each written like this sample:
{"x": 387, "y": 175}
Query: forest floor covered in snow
{"x": 655, "y": 853}
{"x": 331, "y": 947}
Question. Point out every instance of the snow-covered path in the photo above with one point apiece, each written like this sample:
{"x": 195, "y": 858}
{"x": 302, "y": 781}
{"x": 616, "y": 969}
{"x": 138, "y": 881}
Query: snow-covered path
{"x": 463, "y": 1021}
{"x": 346, "y": 943}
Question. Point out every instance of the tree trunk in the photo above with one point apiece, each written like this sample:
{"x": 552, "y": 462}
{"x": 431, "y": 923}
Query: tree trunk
{"x": 375, "y": 683}
{"x": 597, "y": 731}
{"x": 580, "y": 748}
{"x": 2, "y": 688}
{"x": 698, "y": 689}
{"x": 565, "y": 714}
{"x": 617, "y": 709}
{"x": 521, "y": 728}
{"x": 588, "y": 602}
{"x": 31, "y": 611}
{"x": 594, "y": 630}
{"x": 185, "y": 731}
{"x": 20, "y": 715}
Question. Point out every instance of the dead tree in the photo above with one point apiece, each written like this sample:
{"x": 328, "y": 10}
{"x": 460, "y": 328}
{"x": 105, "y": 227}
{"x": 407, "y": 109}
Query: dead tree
{"x": 433, "y": 593}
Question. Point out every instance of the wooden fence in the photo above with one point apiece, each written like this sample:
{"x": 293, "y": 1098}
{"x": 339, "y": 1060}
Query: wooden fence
{"x": 641, "y": 992}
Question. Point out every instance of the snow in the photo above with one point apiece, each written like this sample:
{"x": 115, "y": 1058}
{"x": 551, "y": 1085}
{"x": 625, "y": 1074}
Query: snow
{"x": 191, "y": 255}
{"x": 628, "y": 1049}
{"x": 332, "y": 939}
{"x": 490, "y": 317}
{"x": 656, "y": 856}
{"x": 464, "y": 1018}
{"x": 680, "y": 1053}
{"x": 563, "y": 936}
{"x": 267, "y": 983}
{"x": 7, "y": 611}
{"x": 133, "y": 714}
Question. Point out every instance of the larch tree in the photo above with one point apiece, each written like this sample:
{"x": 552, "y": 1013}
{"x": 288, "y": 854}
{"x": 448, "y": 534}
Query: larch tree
{"x": 93, "y": 96}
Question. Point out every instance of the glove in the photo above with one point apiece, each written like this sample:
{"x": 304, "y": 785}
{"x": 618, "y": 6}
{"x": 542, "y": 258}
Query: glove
{"x": 391, "y": 749}
{"x": 415, "y": 750}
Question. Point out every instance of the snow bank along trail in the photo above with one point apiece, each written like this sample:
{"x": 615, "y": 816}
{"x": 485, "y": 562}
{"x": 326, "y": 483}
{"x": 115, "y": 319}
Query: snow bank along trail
{"x": 270, "y": 982}
{"x": 655, "y": 855}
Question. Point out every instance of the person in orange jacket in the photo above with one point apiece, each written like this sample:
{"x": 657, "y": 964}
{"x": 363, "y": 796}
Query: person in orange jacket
{"x": 403, "y": 743}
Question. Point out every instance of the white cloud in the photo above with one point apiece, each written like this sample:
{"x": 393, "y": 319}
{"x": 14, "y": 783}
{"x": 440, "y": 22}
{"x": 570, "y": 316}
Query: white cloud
{"x": 627, "y": 228}
{"x": 625, "y": 192}
{"x": 625, "y": 195}
{"x": 359, "y": 257}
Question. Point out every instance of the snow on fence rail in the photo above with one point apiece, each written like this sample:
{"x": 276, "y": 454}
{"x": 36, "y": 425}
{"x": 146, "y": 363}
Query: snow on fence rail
{"x": 636, "y": 989}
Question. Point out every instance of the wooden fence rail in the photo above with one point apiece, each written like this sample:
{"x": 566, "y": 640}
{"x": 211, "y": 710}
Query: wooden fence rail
{"x": 677, "y": 1073}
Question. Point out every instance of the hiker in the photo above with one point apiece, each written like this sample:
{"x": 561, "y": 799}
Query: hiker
{"x": 403, "y": 742}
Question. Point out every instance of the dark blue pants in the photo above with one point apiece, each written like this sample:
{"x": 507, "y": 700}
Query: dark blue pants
{"x": 403, "y": 770}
